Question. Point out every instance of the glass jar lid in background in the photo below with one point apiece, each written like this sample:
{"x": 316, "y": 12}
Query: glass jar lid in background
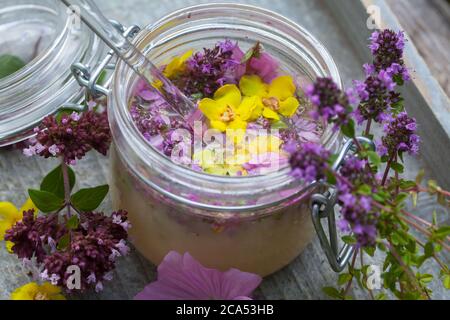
{"x": 48, "y": 40}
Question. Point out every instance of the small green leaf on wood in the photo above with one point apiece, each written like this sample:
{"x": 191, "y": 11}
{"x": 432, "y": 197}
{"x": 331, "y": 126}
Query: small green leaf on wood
{"x": 332, "y": 292}
{"x": 344, "y": 278}
{"x": 446, "y": 282}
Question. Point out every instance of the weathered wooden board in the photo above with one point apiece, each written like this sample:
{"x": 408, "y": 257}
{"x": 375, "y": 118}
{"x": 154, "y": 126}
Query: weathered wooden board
{"x": 306, "y": 276}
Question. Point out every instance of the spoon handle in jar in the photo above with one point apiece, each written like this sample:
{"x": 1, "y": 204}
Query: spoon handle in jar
{"x": 91, "y": 15}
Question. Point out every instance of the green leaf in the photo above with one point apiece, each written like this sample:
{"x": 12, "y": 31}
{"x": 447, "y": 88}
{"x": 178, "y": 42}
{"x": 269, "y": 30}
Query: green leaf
{"x": 60, "y": 114}
{"x": 73, "y": 223}
{"x": 404, "y": 184}
{"x": 420, "y": 177}
{"x": 279, "y": 125}
{"x": 344, "y": 278}
{"x": 381, "y": 296}
{"x": 101, "y": 78}
{"x": 429, "y": 249}
{"x": 401, "y": 197}
{"x": 398, "y": 79}
{"x": 332, "y": 292}
{"x": 349, "y": 129}
{"x": 425, "y": 278}
{"x": 365, "y": 190}
{"x": 349, "y": 240}
{"x": 370, "y": 251}
{"x": 446, "y": 282}
{"x": 89, "y": 199}
{"x": 374, "y": 158}
{"x": 331, "y": 179}
{"x": 9, "y": 64}
{"x": 253, "y": 52}
{"x": 54, "y": 182}
{"x": 414, "y": 196}
{"x": 197, "y": 96}
{"x": 442, "y": 232}
{"x": 64, "y": 242}
{"x": 45, "y": 201}
{"x": 397, "y": 167}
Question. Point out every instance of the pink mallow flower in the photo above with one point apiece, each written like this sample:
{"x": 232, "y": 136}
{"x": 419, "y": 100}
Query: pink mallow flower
{"x": 181, "y": 277}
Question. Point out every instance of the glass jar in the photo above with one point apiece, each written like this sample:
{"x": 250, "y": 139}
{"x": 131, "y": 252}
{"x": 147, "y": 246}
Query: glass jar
{"x": 49, "y": 41}
{"x": 257, "y": 223}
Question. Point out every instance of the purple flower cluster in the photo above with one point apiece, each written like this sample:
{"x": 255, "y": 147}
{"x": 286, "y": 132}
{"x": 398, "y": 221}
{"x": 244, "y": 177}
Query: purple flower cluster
{"x": 358, "y": 216}
{"x": 376, "y": 93}
{"x": 208, "y": 70}
{"x": 353, "y": 172}
{"x": 376, "y": 97}
{"x": 31, "y": 235}
{"x": 331, "y": 103}
{"x": 310, "y": 163}
{"x": 387, "y": 47}
{"x": 93, "y": 246}
{"x": 158, "y": 129}
{"x": 400, "y": 136}
{"x": 71, "y": 137}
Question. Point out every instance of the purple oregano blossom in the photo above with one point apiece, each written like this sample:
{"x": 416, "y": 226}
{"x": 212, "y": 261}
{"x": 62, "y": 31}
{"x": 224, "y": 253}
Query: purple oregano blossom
{"x": 71, "y": 137}
{"x": 93, "y": 246}
{"x": 181, "y": 277}
{"x": 208, "y": 70}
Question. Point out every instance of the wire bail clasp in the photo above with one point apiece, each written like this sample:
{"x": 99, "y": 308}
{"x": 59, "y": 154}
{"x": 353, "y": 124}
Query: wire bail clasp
{"x": 323, "y": 206}
{"x": 88, "y": 78}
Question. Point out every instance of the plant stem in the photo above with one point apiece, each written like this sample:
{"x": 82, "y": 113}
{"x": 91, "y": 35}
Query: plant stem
{"x": 397, "y": 188}
{"x": 65, "y": 172}
{"x": 386, "y": 172}
{"x": 425, "y": 231}
{"x": 405, "y": 268}
{"x": 369, "y": 124}
{"x": 361, "y": 256}
{"x": 349, "y": 284}
{"x": 444, "y": 268}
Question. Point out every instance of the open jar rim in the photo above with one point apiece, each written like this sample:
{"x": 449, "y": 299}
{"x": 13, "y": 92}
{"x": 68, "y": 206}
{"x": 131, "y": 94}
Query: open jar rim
{"x": 139, "y": 154}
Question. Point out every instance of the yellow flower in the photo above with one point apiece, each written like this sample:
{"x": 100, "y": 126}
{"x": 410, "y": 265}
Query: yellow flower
{"x": 33, "y": 291}
{"x": 9, "y": 216}
{"x": 174, "y": 68}
{"x": 272, "y": 99}
{"x": 227, "y": 110}
{"x": 265, "y": 144}
{"x": 177, "y": 65}
{"x": 215, "y": 162}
